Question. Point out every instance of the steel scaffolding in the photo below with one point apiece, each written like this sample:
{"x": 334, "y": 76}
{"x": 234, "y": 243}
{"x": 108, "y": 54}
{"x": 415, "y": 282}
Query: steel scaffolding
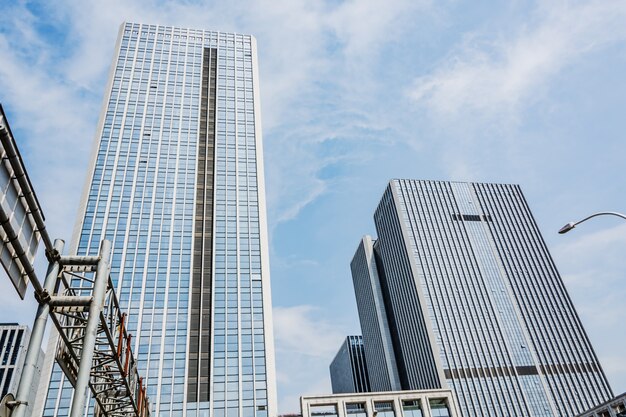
{"x": 94, "y": 347}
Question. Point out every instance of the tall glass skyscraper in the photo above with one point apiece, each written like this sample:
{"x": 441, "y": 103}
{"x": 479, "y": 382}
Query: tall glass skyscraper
{"x": 472, "y": 301}
{"x": 177, "y": 185}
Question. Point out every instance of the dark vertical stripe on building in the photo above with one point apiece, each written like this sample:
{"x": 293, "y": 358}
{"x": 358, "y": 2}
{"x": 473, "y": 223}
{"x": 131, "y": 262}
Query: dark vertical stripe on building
{"x": 16, "y": 347}
{"x": 200, "y": 329}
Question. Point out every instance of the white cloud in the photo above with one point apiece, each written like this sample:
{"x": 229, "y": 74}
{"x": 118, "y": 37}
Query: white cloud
{"x": 588, "y": 253}
{"x": 300, "y": 329}
{"x": 499, "y": 75}
{"x": 315, "y": 57}
{"x": 365, "y": 25}
{"x": 67, "y": 72}
{"x": 52, "y": 86}
{"x": 306, "y": 342}
{"x": 592, "y": 266}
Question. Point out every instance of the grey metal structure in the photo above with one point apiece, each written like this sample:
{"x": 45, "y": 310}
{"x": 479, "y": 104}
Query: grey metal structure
{"x": 79, "y": 297}
{"x": 20, "y": 248}
{"x": 94, "y": 348}
{"x": 348, "y": 370}
{"x": 21, "y": 218}
{"x": 474, "y": 302}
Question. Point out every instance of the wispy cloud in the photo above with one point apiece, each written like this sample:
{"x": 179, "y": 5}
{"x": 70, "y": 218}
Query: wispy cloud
{"x": 302, "y": 329}
{"x": 332, "y": 95}
{"x": 315, "y": 57}
{"x": 499, "y": 74}
{"x": 593, "y": 267}
{"x": 299, "y": 45}
{"x": 601, "y": 246}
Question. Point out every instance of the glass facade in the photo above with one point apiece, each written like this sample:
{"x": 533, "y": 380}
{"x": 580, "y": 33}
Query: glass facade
{"x": 377, "y": 344}
{"x": 475, "y": 302}
{"x": 177, "y": 186}
{"x": 348, "y": 370}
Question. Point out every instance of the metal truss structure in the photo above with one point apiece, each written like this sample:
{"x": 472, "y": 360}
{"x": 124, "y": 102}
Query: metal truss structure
{"x": 94, "y": 347}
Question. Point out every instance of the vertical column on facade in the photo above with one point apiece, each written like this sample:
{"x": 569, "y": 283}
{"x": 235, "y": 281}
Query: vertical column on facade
{"x": 200, "y": 331}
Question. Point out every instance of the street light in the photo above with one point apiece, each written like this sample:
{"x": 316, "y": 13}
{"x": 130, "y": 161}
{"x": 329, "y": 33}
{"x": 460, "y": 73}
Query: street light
{"x": 569, "y": 226}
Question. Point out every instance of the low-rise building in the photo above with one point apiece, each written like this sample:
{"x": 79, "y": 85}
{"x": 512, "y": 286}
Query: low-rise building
{"x": 420, "y": 403}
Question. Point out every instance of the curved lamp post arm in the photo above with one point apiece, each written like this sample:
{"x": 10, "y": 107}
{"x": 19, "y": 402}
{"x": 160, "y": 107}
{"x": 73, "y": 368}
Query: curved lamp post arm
{"x": 569, "y": 226}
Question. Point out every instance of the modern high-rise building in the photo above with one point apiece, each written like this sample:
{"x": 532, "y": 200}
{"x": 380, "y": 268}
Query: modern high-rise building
{"x": 473, "y": 302}
{"x": 176, "y": 183}
{"x": 348, "y": 371}
{"x": 14, "y": 339}
{"x": 377, "y": 344}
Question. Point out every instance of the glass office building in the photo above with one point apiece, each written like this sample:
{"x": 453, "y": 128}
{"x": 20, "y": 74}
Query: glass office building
{"x": 348, "y": 371}
{"x": 377, "y": 344}
{"x": 474, "y": 302}
{"x": 177, "y": 185}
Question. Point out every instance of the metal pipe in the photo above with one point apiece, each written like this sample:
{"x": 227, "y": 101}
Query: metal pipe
{"x": 79, "y": 260}
{"x": 70, "y": 301}
{"x": 20, "y": 175}
{"x": 36, "y": 337}
{"x": 89, "y": 342}
{"x": 20, "y": 252}
{"x": 120, "y": 338}
{"x": 127, "y": 359}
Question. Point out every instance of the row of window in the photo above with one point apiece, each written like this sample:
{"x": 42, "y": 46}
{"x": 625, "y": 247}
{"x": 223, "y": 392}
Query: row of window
{"x": 438, "y": 407}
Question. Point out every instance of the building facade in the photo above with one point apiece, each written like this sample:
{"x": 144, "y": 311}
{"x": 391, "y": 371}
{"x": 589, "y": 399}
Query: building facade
{"x": 377, "y": 344}
{"x": 420, "y": 403}
{"x": 474, "y": 302}
{"x": 177, "y": 185}
{"x": 348, "y": 370}
{"x": 14, "y": 340}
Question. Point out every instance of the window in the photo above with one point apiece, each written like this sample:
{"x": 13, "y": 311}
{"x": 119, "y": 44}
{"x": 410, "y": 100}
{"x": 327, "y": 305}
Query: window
{"x": 356, "y": 409}
{"x": 439, "y": 408}
{"x": 412, "y": 408}
{"x": 324, "y": 410}
{"x": 384, "y": 409}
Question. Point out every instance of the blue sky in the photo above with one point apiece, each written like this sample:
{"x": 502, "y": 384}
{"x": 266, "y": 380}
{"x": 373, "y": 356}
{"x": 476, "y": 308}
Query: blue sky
{"x": 355, "y": 93}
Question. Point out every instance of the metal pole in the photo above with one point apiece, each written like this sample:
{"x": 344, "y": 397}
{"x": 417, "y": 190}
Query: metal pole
{"x": 89, "y": 342}
{"x": 34, "y": 345}
{"x": 569, "y": 226}
{"x": 79, "y": 260}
